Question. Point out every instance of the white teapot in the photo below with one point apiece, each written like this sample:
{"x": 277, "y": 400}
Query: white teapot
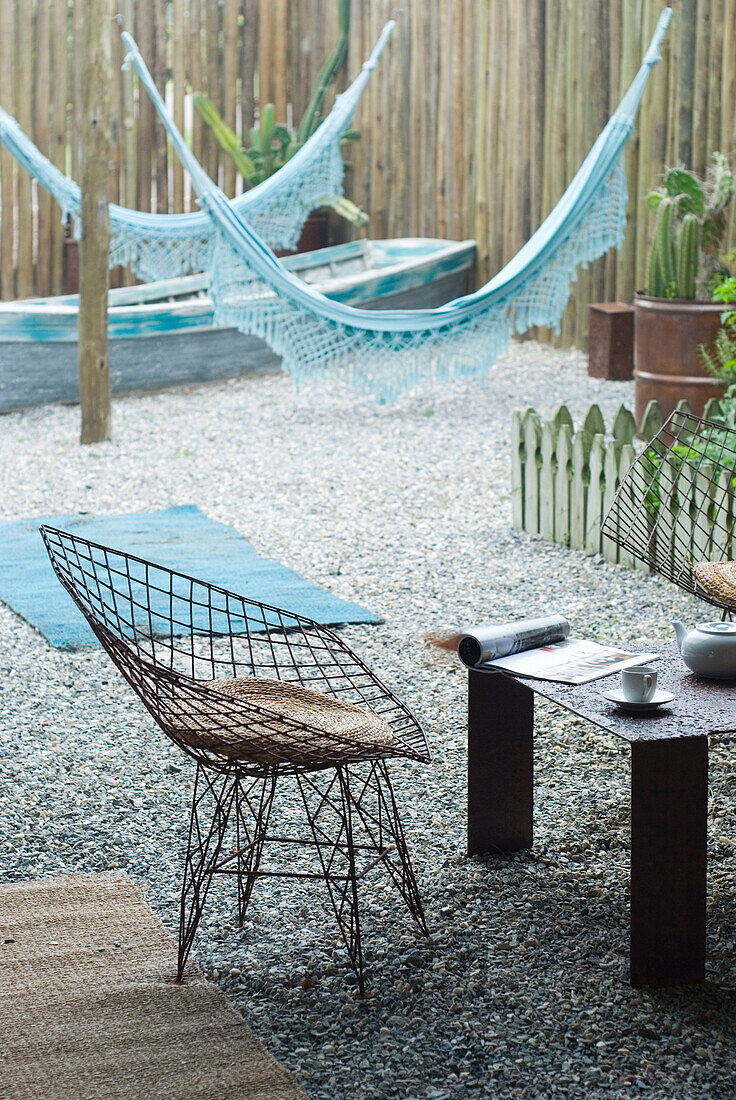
{"x": 709, "y": 650}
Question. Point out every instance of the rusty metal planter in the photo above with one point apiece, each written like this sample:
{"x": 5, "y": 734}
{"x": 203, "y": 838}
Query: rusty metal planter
{"x": 668, "y": 365}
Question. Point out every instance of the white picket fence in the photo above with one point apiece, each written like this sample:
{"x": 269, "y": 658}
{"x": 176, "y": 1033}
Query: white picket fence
{"x": 563, "y": 481}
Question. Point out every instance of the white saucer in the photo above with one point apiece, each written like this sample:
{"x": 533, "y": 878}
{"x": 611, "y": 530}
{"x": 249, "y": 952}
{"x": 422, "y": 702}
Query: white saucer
{"x": 658, "y": 699}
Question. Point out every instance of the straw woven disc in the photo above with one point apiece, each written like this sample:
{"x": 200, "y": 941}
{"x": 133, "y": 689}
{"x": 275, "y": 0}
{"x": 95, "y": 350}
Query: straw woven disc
{"x": 718, "y": 579}
{"x": 325, "y": 723}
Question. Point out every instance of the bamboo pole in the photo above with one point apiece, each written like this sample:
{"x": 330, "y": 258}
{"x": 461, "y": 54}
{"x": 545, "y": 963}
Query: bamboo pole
{"x": 129, "y": 136}
{"x": 160, "y": 144}
{"x": 387, "y": 82}
{"x": 626, "y": 259}
{"x": 24, "y": 91}
{"x": 195, "y": 72}
{"x": 146, "y": 121}
{"x": 648, "y": 177}
{"x": 180, "y": 39}
{"x": 230, "y": 14}
{"x": 613, "y": 45}
{"x": 444, "y": 164}
{"x": 94, "y": 367}
{"x": 214, "y": 84}
{"x": 685, "y": 80}
{"x": 8, "y": 206}
{"x": 78, "y": 10}
{"x": 717, "y": 32}
{"x": 248, "y": 70}
{"x": 482, "y": 183}
{"x": 588, "y": 28}
{"x": 403, "y": 133}
{"x": 536, "y": 112}
{"x": 700, "y": 96}
{"x": 41, "y": 113}
{"x": 58, "y": 64}
{"x": 658, "y": 99}
{"x": 458, "y": 111}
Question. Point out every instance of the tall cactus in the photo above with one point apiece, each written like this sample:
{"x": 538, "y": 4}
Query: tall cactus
{"x": 674, "y": 258}
{"x": 689, "y": 227}
{"x": 664, "y": 250}
{"x": 688, "y": 256}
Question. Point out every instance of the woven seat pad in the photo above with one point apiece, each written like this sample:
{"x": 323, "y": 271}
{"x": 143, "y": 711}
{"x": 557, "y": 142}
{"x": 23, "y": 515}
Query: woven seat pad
{"x": 331, "y": 724}
{"x": 718, "y": 579}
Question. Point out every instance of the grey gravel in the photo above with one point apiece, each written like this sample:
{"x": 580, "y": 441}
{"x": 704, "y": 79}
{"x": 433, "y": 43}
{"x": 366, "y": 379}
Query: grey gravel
{"x": 522, "y": 989}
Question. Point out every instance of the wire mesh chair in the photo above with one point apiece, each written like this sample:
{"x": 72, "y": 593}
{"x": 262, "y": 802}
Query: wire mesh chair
{"x": 255, "y": 694}
{"x": 675, "y": 507}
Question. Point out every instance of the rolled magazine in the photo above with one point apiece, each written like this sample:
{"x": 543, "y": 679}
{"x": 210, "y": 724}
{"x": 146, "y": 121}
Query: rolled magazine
{"x": 494, "y": 640}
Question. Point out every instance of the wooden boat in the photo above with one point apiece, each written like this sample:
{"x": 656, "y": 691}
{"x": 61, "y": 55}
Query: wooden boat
{"x": 161, "y": 334}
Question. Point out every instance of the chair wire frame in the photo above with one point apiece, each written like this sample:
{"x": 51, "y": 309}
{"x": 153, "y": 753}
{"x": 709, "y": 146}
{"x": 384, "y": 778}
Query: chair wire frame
{"x": 169, "y": 634}
{"x": 675, "y": 506}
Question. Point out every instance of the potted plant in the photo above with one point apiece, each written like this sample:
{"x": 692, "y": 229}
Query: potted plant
{"x": 676, "y": 316}
{"x": 273, "y": 143}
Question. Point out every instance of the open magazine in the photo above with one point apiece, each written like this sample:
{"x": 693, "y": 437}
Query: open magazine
{"x": 542, "y": 649}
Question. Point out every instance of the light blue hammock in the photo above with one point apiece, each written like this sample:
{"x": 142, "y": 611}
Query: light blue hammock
{"x": 162, "y": 246}
{"x": 385, "y": 353}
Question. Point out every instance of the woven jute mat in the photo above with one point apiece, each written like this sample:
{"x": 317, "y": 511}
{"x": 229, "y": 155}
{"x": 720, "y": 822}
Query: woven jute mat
{"x": 89, "y": 1009}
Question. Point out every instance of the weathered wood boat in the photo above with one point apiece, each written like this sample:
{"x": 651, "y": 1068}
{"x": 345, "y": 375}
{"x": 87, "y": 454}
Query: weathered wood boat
{"x": 162, "y": 334}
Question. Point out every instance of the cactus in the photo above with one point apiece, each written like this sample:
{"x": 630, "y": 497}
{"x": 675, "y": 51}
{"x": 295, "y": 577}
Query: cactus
{"x": 272, "y": 144}
{"x": 688, "y": 256}
{"x": 690, "y": 223}
{"x": 664, "y": 249}
{"x": 674, "y": 257}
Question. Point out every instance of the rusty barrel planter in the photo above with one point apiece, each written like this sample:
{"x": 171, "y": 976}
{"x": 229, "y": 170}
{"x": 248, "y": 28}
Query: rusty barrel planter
{"x": 668, "y": 365}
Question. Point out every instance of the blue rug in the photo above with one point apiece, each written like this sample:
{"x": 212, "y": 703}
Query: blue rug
{"x": 183, "y": 539}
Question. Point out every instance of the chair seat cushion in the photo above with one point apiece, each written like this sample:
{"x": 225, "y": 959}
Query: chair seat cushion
{"x": 328, "y": 728}
{"x": 718, "y": 579}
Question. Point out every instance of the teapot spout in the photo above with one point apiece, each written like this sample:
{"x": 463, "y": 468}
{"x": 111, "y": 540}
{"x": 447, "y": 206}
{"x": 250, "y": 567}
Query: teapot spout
{"x": 680, "y": 633}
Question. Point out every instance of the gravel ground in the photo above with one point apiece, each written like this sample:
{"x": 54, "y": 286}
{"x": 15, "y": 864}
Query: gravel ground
{"x": 522, "y": 988}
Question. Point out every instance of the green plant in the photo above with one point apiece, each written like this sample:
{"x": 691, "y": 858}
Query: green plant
{"x": 272, "y": 144}
{"x": 722, "y": 364}
{"x": 689, "y": 226}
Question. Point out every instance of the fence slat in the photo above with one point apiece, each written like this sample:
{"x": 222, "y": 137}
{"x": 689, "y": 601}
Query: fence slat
{"x": 563, "y": 479}
{"x": 517, "y": 467}
{"x": 627, "y": 497}
{"x": 547, "y": 480}
{"x": 594, "y": 510}
{"x": 532, "y": 466}
{"x": 609, "y": 549}
{"x": 579, "y": 487}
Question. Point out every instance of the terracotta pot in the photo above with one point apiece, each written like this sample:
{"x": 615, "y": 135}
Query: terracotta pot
{"x": 668, "y": 365}
{"x": 315, "y": 234}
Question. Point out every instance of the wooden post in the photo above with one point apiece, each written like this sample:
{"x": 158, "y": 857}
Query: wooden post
{"x": 94, "y": 367}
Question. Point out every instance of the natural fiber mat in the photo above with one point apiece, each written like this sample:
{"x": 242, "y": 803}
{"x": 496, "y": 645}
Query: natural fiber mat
{"x": 89, "y": 1009}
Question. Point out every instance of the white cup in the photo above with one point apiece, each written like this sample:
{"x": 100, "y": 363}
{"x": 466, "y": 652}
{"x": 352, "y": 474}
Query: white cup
{"x": 639, "y": 683}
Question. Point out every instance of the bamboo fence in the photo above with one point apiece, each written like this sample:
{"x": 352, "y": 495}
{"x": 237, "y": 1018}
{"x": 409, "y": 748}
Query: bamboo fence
{"x": 477, "y": 117}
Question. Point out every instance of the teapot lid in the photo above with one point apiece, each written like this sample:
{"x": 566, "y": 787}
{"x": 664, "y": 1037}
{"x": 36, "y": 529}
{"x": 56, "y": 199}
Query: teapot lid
{"x": 724, "y": 629}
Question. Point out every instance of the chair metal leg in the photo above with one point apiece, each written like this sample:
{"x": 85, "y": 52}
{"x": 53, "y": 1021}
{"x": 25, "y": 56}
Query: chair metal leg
{"x": 206, "y": 836}
{"x": 253, "y": 810}
{"x": 330, "y": 818}
{"x": 373, "y": 799}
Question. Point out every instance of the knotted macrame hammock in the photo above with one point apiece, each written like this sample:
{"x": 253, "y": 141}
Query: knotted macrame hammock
{"x": 385, "y": 352}
{"x": 162, "y": 246}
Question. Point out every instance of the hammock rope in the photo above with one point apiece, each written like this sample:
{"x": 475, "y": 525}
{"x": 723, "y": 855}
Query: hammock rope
{"x": 386, "y": 352}
{"x": 163, "y": 246}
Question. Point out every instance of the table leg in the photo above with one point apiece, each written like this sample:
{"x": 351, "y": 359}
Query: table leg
{"x": 669, "y": 804}
{"x": 500, "y": 763}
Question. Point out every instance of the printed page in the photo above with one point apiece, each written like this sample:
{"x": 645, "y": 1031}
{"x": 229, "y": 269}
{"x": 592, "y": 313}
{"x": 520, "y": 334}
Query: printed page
{"x": 574, "y": 661}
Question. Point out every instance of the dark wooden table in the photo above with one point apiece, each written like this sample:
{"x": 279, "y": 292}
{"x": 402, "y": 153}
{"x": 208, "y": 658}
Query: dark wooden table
{"x": 669, "y": 795}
